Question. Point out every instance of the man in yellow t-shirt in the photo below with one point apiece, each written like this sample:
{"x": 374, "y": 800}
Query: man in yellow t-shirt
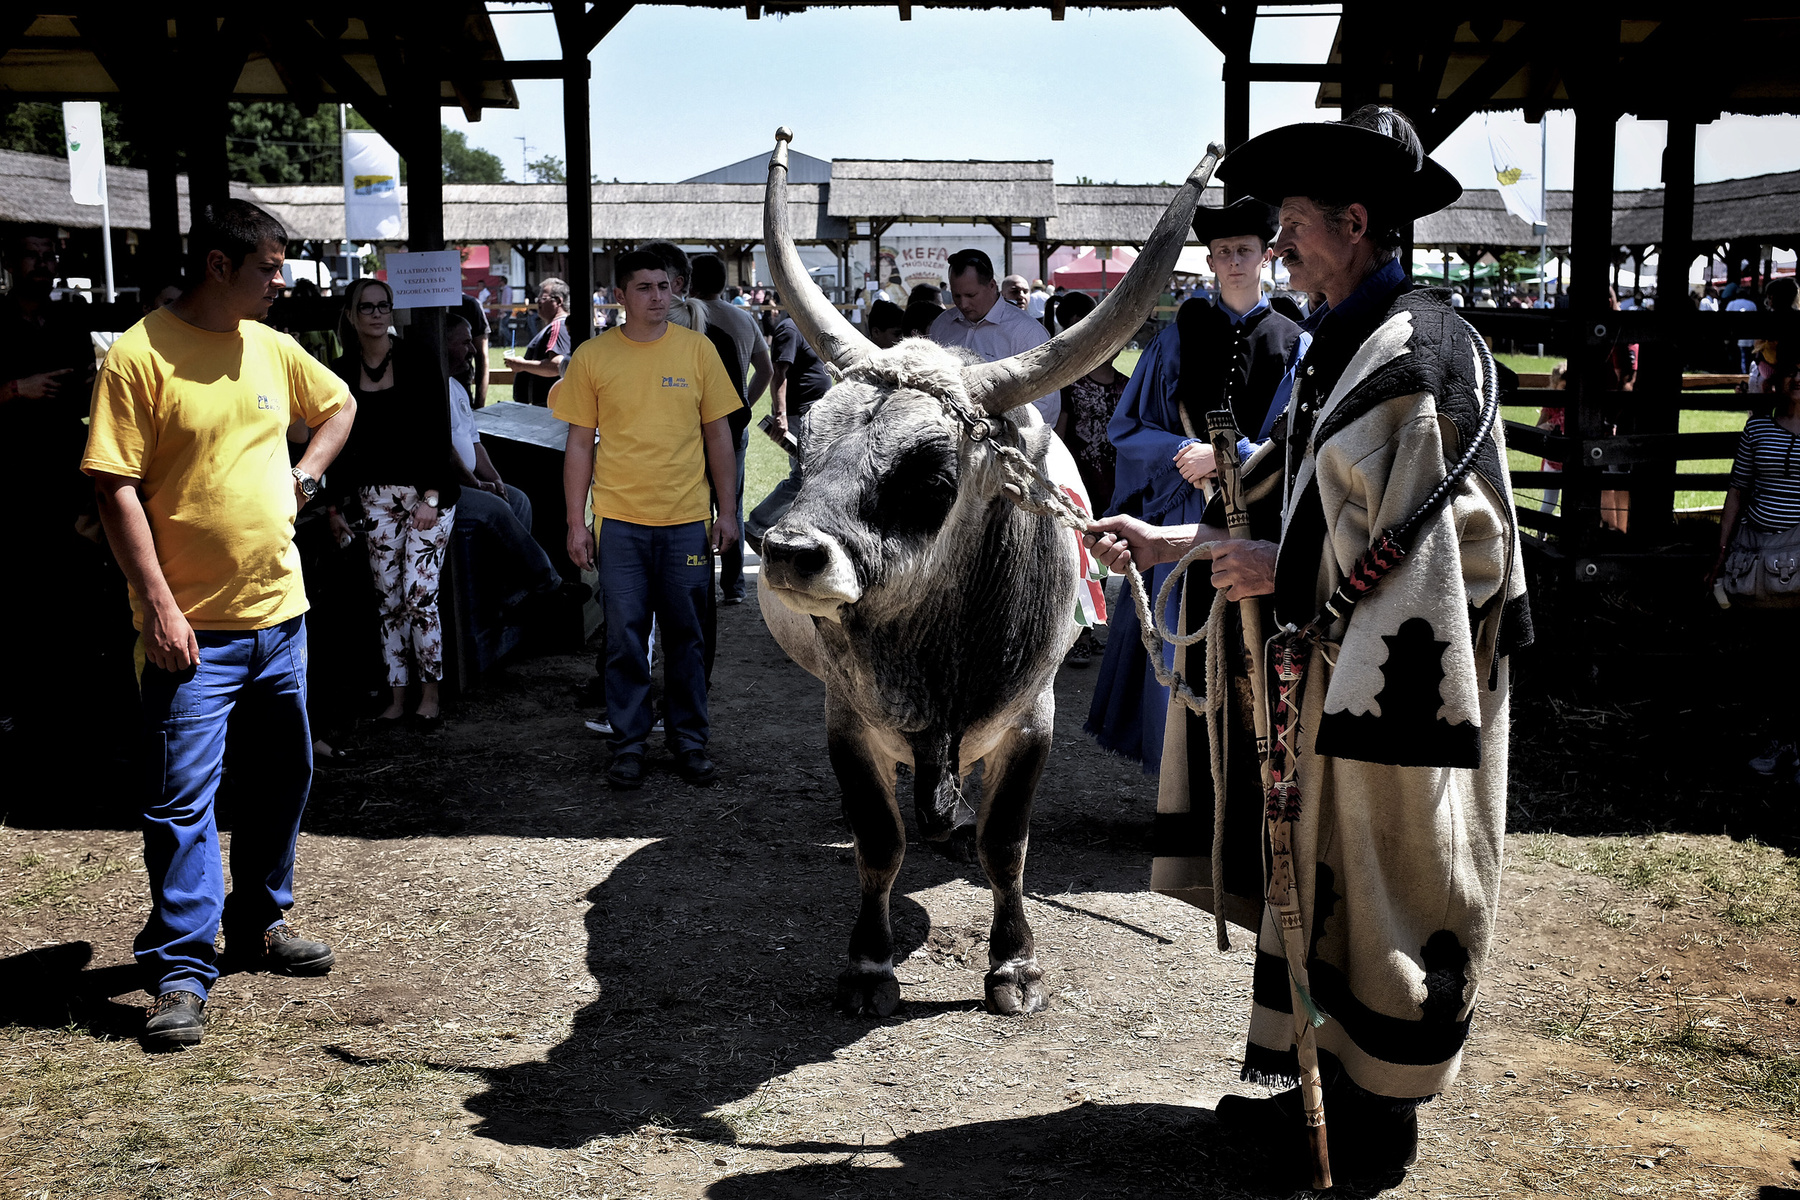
{"x": 187, "y": 444}
{"x": 657, "y": 396}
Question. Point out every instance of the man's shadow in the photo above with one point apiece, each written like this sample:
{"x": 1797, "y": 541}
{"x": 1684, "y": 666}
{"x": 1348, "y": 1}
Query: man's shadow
{"x": 50, "y": 989}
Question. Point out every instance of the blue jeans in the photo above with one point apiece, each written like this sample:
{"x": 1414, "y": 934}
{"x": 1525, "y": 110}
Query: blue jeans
{"x": 506, "y": 524}
{"x": 662, "y": 572}
{"x": 262, "y": 675}
{"x": 731, "y": 559}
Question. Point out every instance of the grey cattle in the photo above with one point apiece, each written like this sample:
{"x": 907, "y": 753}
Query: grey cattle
{"x": 934, "y": 609}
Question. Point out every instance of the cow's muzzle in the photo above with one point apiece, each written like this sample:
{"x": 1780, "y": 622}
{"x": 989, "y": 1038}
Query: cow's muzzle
{"x": 809, "y": 571}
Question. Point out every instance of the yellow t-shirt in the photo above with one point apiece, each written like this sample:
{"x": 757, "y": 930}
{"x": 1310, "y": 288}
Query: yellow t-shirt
{"x": 648, "y": 400}
{"x": 201, "y": 419}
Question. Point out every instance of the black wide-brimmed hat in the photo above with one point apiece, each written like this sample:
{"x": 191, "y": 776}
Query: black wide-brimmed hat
{"x": 1246, "y": 216}
{"x": 1343, "y": 164}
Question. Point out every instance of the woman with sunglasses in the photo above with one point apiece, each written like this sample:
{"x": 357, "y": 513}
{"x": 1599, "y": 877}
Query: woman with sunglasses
{"x": 400, "y": 463}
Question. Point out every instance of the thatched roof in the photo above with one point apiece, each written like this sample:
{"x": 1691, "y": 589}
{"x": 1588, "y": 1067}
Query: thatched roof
{"x": 1113, "y": 214}
{"x": 1763, "y": 207}
{"x": 537, "y": 212}
{"x": 947, "y": 190}
{"x": 34, "y": 189}
{"x": 707, "y": 212}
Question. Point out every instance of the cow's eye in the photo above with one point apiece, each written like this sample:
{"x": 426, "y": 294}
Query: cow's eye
{"x": 914, "y": 496}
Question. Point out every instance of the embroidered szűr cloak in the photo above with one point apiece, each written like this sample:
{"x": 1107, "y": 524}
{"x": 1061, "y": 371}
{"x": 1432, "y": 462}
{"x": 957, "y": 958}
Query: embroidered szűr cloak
{"x": 1404, "y": 719}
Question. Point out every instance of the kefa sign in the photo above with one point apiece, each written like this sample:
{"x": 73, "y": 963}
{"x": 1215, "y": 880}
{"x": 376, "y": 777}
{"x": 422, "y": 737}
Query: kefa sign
{"x": 371, "y": 187}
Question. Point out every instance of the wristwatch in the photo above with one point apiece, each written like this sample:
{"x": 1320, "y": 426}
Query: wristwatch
{"x": 309, "y": 487}
{"x": 432, "y": 501}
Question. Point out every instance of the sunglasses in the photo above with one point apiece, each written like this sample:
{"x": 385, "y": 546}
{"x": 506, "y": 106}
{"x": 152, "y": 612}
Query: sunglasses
{"x": 368, "y": 309}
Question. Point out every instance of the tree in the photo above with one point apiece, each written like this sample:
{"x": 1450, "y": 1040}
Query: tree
{"x": 464, "y": 163}
{"x": 285, "y": 143}
{"x": 268, "y": 143}
{"x": 36, "y": 127}
{"x": 548, "y": 169}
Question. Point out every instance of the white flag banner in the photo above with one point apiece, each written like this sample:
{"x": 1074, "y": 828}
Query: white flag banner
{"x": 87, "y": 151}
{"x": 371, "y": 187}
{"x": 1520, "y": 189}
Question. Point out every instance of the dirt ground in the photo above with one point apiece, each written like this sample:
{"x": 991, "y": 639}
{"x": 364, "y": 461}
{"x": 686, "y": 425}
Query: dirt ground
{"x": 548, "y": 989}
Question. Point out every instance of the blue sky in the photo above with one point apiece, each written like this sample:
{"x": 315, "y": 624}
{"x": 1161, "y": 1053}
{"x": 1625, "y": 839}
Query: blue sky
{"x": 1126, "y": 96}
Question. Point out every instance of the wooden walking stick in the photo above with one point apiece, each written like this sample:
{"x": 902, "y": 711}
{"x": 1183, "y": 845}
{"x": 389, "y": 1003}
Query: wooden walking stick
{"x": 1278, "y": 743}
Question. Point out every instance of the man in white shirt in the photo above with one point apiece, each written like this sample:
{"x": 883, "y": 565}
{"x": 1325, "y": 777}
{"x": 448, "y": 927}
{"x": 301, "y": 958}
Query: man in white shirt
{"x": 982, "y": 323}
{"x": 1038, "y": 301}
{"x": 1016, "y": 292}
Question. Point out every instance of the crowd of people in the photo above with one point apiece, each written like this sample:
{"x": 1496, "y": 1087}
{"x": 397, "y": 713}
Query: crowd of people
{"x": 234, "y": 471}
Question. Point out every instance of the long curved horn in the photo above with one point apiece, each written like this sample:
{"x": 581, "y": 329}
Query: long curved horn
{"x": 1010, "y": 382}
{"x": 834, "y": 339}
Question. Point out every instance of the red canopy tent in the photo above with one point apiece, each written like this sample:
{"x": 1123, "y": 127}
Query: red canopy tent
{"x": 1091, "y": 273}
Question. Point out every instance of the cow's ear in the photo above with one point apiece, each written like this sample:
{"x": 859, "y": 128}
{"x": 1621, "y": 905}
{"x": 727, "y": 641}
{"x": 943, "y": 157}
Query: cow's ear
{"x": 836, "y": 373}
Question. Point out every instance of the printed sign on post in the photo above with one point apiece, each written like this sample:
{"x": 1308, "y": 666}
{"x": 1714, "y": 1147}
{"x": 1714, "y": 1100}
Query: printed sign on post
{"x": 428, "y": 279}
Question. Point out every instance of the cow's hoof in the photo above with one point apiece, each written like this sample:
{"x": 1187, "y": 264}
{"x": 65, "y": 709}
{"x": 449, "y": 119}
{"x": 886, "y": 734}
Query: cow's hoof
{"x": 958, "y": 846}
{"x": 868, "y": 992}
{"x": 1016, "y": 989}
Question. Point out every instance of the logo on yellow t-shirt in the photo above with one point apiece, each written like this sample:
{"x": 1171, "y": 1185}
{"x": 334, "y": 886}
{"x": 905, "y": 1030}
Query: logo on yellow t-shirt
{"x": 264, "y": 403}
{"x": 679, "y": 381}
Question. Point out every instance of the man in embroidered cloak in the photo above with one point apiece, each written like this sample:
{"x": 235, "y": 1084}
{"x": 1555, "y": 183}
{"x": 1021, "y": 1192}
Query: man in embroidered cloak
{"x": 1233, "y": 355}
{"x": 1403, "y": 723}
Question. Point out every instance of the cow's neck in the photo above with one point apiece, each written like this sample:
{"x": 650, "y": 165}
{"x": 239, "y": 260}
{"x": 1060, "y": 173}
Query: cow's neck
{"x": 986, "y": 623}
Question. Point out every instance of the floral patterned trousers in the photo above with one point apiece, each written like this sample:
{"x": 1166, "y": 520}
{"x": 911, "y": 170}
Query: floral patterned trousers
{"x": 405, "y": 563}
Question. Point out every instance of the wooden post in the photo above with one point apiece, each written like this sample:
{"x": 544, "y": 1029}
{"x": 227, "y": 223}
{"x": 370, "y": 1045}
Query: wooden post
{"x": 580, "y": 193}
{"x": 1657, "y": 394}
{"x": 162, "y": 250}
{"x": 1594, "y": 55}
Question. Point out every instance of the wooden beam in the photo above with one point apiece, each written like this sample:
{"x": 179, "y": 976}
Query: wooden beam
{"x": 1213, "y": 23}
{"x": 1592, "y": 48}
{"x": 1503, "y": 62}
{"x": 597, "y": 24}
{"x": 575, "y": 27}
{"x": 304, "y": 43}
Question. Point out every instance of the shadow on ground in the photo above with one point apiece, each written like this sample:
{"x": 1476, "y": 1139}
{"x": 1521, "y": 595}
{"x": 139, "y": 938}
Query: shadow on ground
{"x": 716, "y": 951}
{"x": 1142, "y": 1151}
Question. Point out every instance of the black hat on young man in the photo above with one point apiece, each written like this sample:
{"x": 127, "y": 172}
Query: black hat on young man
{"x": 1246, "y": 217}
{"x": 1373, "y": 159}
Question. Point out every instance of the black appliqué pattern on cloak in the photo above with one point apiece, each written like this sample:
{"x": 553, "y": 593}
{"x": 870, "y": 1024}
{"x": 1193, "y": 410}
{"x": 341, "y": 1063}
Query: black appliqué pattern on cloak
{"x": 1407, "y": 732}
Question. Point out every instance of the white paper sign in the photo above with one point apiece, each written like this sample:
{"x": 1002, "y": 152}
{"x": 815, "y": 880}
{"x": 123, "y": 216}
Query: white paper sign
{"x": 87, "y": 151}
{"x": 428, "y": 279}
{"x": 371, "y": 187}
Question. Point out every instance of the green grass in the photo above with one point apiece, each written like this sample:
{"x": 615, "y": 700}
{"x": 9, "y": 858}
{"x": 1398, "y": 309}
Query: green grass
{"x": 1692, "y": 421}
{"x": 1748, "y": 884}
{"x": 1528, "y": 364}
{"x": 1736, "y": 1070}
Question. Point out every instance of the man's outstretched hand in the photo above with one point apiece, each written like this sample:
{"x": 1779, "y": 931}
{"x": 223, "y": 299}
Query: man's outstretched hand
{"x": 1120, "y": 539}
